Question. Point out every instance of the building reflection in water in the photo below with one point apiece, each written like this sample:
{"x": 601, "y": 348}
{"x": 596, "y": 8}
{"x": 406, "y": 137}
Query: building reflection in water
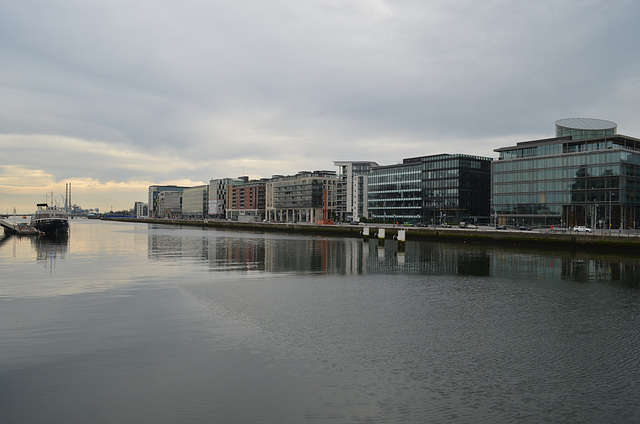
{"x": 582, "y": 267}
{"x": 222, "y": 253}
{"x": 49, "y": 249}
{"x": 281, "y": 254}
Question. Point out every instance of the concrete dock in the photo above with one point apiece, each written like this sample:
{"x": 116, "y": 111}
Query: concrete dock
{"x": 625, "y": 240}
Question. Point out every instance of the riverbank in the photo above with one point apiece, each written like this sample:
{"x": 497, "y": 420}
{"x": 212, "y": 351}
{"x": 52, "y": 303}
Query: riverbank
{"x": 627, "y": 242}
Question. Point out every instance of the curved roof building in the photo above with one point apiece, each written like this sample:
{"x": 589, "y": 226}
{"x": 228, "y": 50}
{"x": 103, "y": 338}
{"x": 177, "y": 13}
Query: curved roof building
{"x": 587, "y": 175}
{"x": 580, "y": 128}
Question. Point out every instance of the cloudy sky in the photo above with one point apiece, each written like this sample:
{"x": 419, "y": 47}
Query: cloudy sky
{"x": 113, "y": 96}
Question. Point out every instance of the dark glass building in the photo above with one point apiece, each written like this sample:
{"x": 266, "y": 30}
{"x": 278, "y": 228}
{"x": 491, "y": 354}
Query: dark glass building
{"x": 395, "y": 193}
{"x": 447, "y": 188}
{"x": 587, "y": 176}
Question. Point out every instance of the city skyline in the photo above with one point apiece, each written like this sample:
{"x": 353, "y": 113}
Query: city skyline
{"x": 113, "y": 98}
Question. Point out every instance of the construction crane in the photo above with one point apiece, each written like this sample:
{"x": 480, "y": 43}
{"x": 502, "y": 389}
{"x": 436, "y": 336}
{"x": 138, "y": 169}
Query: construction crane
{"x": 325, "y": 220}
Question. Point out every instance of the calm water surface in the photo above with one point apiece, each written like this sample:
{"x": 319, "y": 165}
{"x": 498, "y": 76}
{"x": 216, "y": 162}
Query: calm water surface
{"x": 132, "y": 323}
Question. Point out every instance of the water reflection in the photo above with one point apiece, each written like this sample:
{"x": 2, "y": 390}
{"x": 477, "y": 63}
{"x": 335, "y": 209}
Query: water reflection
{"x": 144, "y": 316}
{"x": 47, "y": 248}
{"x": 224, "y": 251}
{"x": 51, "y": 248}
{"x": 582, "y": 267}
{"x": 5, "y": 238}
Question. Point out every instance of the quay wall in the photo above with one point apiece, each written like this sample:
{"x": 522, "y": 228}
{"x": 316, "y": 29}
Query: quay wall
{"x": 629, "y": 244}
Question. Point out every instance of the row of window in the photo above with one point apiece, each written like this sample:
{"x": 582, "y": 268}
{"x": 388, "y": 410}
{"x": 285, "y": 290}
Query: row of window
{"x": 445, "y": 173}
{"x": 542, "y": 198}
{"x": 440, "y": 183}
{"x": 557, "y": 185}
{"x": 530, "y": 209}
{"x": 440, "y": 203}
{"x": 558, "y": 199}
{"x": 373, "y": 208}
{"x": 405, "y": 178}
{"x": 448, "y": 162}
{"x": 579, "y": 134}
{"x": 441, "y": 164}
{"x": 397, "y": 216}
{"x": 559, "y": 148}
{"x": 564, "y": 161}
{"x": 415, "y": 203}
{"x": 443, "y": 178}
{"x": 569, "y": 173}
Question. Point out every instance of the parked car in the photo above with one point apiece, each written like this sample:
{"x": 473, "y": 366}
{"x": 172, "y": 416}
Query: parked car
{"x": 471, "y": 227}
{"x": 524, "y": 228}
{"x": 501, "y": 227}
{"x": 581, "y": 229}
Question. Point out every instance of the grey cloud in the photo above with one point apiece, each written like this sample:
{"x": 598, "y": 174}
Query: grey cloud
{"x": 297, "y": 81}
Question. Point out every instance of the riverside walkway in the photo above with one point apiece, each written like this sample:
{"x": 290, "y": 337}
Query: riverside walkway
{"x": 627, "y": 241}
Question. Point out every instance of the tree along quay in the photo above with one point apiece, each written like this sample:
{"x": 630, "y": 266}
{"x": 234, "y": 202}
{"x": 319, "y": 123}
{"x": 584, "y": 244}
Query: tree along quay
{"x": 621, "y": 243}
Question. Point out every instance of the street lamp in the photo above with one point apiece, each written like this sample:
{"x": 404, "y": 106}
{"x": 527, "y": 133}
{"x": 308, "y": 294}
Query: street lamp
{"x": 595, "y": 216}
{"x": 610, "y": 195}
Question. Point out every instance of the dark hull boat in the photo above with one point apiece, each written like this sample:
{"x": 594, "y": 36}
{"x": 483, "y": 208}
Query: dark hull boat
{"x": 50, "y": 220}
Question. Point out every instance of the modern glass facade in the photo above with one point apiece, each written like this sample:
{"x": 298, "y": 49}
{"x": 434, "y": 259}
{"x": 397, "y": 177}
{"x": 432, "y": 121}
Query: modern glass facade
{"x": 155, "y": 195}
{"x": 395, "y": 193}
{"x": 195, "y": 202}
{"x": 567, "y": 182}
{"x": 456, "y": 188}
{"x": 432, "y": 189}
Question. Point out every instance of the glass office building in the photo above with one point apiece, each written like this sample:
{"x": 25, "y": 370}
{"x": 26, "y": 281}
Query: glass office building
{"x": 574, "y": 179}
{"x": 395, "y": 193}
{"x": 159, "y": 200}
{"x": 438, "y": 189}
{"x": 195, "y": 202}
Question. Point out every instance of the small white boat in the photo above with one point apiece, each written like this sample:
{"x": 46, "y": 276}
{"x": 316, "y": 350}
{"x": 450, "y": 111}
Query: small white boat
{"x": 27, "y": 230}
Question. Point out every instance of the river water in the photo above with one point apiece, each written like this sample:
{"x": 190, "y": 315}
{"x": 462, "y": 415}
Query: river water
{"x": 139, "y": 323}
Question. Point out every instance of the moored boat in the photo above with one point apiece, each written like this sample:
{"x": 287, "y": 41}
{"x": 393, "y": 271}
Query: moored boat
{"x": 50, "y": 220}
{"x": 27, "y": 230}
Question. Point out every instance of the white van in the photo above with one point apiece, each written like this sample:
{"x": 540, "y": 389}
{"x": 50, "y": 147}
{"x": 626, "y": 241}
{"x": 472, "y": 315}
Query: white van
{"x": 581, "y": 229}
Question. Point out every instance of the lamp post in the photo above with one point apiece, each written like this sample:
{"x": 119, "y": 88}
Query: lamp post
{"x": 595, "y": 216}
{"x": 610, "y": 195}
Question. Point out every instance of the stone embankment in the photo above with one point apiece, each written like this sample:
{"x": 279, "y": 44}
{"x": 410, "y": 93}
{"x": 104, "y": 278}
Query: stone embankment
{"x": 627, "y": 240}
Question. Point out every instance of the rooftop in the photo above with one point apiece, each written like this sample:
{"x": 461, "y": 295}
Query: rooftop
{"x": 586, "y": 124}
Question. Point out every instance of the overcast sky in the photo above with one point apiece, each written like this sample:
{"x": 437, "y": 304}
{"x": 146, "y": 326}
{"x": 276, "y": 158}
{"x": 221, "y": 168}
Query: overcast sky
{"x": 113, "y": 96}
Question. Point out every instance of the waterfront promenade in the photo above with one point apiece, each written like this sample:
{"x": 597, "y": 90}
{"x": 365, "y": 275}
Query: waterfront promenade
{"x": 625, "y": 240}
